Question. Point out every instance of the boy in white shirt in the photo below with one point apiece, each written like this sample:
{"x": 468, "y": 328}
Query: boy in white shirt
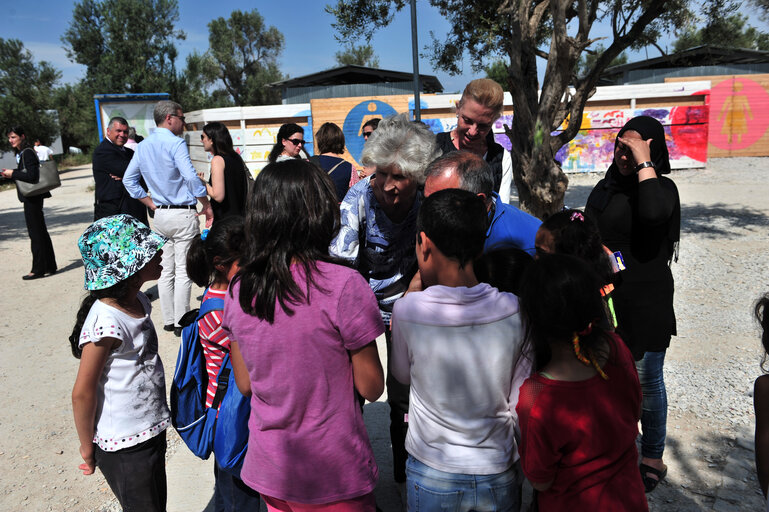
{"x": 458, "y": 343}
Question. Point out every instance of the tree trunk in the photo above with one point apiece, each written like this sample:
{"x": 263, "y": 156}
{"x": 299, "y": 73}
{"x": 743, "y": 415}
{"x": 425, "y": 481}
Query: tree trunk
{"x": 540, "y": 181}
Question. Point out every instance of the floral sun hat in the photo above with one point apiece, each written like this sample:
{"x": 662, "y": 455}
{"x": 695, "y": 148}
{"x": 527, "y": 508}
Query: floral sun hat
{"x": 115, "y": 248}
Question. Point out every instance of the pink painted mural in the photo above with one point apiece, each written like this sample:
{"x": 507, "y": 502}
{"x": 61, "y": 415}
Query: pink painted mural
{"x": 686, "y": 134}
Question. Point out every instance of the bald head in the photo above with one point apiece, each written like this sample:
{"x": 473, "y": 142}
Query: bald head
{"x": 463, "y": 170}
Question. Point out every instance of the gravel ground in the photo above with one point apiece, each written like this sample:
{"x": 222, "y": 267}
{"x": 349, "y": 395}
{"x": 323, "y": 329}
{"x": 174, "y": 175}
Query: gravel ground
{"x": 709, "y": 370}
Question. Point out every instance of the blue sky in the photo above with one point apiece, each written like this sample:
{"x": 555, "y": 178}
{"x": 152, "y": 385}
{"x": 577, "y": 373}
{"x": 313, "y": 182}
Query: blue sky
{"x": 309, "y": 37}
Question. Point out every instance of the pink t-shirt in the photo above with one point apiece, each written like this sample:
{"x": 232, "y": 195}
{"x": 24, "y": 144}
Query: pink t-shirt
{"x": 307, "y": 441}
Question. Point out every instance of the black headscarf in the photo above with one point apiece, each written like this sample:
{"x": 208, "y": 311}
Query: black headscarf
{"x": 648, "y": 128}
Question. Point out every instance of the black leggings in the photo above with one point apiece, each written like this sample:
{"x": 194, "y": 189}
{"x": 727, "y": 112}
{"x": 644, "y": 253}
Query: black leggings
{"x": 137, "y": 475}
{"x": 398, "y": 399}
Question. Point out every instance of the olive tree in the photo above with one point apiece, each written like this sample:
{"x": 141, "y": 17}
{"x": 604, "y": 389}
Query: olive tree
{"x": 519, "y": 32}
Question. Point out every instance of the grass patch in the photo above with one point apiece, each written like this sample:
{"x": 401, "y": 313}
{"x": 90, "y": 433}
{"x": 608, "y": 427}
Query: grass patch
{"x": 6, "y": 185}
{"x": 72, "y": 160}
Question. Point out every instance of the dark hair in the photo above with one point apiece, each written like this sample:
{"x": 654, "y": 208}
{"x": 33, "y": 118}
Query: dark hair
{"x": 373, "y": 123}
{"x": 330, "y": 139}
{"x": 118, "y": 291}
{"x": 456, "y": 221}
{"x": 221, "y": 140}
{"x": 503, "y": 269}
{"x": 224, "y": 241}
{"x": 560, "y": 296}
{"x": 761, "y": 309}
{"x": 576, "y": 234}
{"x": 475, "y": 174}
{"x": 292, "y": 215}
{"x": 19, "y": 130}
{"x": 285, "y": 131}
{"x": 117, "y": 120}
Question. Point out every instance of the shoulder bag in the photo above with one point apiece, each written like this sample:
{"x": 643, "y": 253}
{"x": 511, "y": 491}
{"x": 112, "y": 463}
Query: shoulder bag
{"x": 48, "y": 178}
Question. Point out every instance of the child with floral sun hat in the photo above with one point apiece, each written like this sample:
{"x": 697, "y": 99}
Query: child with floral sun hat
{"x": 119, "y": 397}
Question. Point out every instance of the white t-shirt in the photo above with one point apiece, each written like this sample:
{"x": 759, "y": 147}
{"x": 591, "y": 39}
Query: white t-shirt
{"x": 131, "y": 399}
{"x": 460, "y": 348}
{"x": 43, "y": 153}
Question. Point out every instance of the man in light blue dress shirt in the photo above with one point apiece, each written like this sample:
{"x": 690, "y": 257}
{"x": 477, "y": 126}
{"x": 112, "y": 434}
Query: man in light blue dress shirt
{"x": 163, "y": 160}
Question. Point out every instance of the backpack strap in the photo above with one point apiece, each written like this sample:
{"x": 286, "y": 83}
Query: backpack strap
{"x": 223, "y": 377}
{"x": 334, "y": 168}
{"x": 213, "y": 304}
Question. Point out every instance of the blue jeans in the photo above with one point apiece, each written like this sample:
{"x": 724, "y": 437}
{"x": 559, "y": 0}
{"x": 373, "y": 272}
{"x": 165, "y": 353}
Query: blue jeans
{"x": 231, "y": 494}
{"x": 431, "y": 490}
{"x": 654, "y": 407}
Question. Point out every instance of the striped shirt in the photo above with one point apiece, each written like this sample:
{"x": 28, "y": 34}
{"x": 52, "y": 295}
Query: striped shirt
{"x": 216, "y": 343}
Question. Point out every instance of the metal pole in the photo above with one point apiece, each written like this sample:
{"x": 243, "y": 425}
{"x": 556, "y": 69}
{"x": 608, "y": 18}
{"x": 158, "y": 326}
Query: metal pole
{"x": 415, "y": 58}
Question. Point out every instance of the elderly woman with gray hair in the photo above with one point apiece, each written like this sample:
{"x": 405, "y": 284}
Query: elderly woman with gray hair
{"x": 378, "y": 235}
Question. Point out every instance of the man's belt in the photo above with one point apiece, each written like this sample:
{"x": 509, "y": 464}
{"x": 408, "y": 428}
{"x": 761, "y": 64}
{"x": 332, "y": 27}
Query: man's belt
{"x": 176, "y": 207}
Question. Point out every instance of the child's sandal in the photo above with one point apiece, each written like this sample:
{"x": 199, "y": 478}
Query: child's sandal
{"x": 651, "y": 483}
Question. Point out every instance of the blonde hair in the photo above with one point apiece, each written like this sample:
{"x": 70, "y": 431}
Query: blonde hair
{"x": 486, "y": 92}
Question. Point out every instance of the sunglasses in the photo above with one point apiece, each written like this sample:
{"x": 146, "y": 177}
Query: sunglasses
{"x": 296, "y": 142}
{"x": 366, "y": 135}
{"x": 180, "y": 117}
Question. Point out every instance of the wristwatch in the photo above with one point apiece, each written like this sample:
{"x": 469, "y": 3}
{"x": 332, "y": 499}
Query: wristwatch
{"x": 643, "y": 165}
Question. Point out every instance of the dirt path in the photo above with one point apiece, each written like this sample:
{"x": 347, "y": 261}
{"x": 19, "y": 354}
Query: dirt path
{"x": 710, "y": 366}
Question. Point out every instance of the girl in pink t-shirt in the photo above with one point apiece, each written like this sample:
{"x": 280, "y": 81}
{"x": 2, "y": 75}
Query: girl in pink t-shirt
{"x": 299, "y": 351}
{"x": 579, "y": 412}
{"x": 212, "y": 260}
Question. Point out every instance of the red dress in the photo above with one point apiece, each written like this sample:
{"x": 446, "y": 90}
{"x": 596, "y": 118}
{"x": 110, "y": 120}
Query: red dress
{"x": 582, "y": 436}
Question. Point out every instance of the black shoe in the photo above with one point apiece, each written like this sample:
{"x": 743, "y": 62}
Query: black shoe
{"x": 31, "y": 276}
{"x": 51, "y": 272}
{"x": 178, "y": 332}
{"x": 169, "y": 328}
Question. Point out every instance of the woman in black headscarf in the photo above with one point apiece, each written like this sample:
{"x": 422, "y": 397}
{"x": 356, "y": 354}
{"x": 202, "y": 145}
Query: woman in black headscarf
{"x": 638, "y": 213}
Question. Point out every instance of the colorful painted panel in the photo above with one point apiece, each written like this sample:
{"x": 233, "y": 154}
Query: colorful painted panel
{"x": 739, "y": 114}
{"x": 686, "y": 135}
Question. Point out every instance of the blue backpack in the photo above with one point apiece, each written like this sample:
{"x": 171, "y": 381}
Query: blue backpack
{"x": 221, "y": 428}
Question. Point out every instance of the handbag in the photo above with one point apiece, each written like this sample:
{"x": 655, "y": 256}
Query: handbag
{"x": 48, "y": 179}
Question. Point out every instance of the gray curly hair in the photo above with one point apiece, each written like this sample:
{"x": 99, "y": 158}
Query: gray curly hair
{"x": 398, "y": 142}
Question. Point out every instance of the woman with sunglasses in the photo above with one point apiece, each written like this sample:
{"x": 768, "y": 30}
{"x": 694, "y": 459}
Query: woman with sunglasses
{"x": 228, "y": 183}
{"x": 290, "y": 142}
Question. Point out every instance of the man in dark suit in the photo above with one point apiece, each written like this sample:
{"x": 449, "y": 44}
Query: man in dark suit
{"x": 110, "y": 160}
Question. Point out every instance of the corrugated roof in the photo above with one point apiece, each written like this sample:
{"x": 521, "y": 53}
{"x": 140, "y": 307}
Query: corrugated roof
{"x": 697, "y": 56}
{"x": 359, "y": 75}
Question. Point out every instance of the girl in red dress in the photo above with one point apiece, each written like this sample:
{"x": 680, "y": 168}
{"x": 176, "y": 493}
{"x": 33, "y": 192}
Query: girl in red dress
{"x": 579, "y": 412}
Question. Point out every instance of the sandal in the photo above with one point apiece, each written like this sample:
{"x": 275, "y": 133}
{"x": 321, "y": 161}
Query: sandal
{"x": 651, "y": 483}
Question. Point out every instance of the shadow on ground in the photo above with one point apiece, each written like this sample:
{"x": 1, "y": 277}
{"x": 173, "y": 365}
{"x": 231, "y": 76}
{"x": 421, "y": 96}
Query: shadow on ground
{"x": 720, "y": 220}
{"x": 56, "y": 218}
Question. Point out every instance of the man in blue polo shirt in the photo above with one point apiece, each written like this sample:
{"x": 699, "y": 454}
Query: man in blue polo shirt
{"x": 163, "y": 160}
{"x": 509, "y": 226}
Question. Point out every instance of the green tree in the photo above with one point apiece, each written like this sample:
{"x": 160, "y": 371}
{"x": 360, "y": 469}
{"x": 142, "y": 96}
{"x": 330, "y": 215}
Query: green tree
{"x": 519, "y": 32}
{"x": 723, "y": 26}
{"x": 194, "y": 84}
{"x": 77, "y": 116}
{"x": 497, "y": 71}
{"x": 244, "y": 52}
{"x": 357, "y": 56}
{"x": 126, "y": 46}
{"x": 26, "y": 93}
{"x": 588, "y": 58}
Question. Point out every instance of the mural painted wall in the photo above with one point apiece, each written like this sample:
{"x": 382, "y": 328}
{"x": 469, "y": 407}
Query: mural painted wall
{"x": 686, "y": 128}
{"x": 686, "y": 135}
{"x": 739, "y": 115}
